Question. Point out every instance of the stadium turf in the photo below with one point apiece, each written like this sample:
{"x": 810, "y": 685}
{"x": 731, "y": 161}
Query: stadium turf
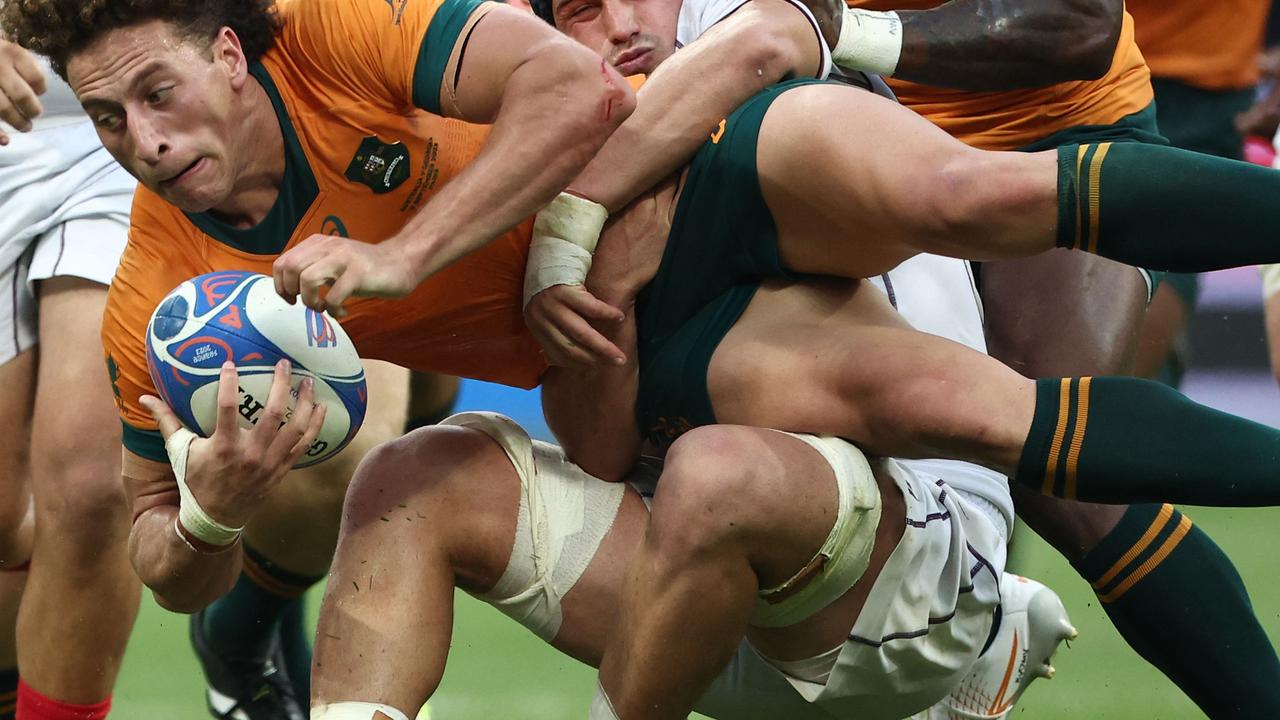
{"x": 498, "y": 670}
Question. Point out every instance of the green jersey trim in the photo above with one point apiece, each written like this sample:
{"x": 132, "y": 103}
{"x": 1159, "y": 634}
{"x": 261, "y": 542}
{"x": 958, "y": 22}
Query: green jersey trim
{"x": 144, "y": 443}
{"x": 298, "y": 191}
{"x": 433, "y": 57}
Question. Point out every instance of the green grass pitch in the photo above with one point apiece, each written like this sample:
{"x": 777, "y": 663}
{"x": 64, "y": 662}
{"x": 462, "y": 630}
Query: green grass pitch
{"x": 497, "y": 670}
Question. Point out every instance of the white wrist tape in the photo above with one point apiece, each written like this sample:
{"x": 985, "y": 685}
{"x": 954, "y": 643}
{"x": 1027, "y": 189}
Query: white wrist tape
{"x": 356, "y": 711}
{"x": 1270, "y": 279}
{"x": 191, "y": 516}
{"x": 869, "y": 41}
{"x": 565, "y": 234}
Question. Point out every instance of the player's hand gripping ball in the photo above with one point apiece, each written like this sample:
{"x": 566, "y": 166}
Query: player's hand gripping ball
{"x": 238, "y": 316}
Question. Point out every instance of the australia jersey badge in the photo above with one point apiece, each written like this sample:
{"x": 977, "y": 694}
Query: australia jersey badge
{"x": 382, "y": 167}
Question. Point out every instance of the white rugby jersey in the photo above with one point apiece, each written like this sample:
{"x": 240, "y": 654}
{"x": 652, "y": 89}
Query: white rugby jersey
{"x": 697, "y": 17}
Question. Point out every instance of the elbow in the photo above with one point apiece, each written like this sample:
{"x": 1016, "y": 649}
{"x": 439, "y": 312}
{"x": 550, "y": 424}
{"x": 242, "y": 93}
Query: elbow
{"x": 772, "y": 50}
{"x": 600, "y": 97}
{"x": 1098, "y": 25}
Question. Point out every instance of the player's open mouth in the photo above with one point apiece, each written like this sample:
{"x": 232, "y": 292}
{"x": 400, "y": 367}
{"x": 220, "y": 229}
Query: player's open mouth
{"x": 632, "y": 62}
{"x": 187, "y": 172}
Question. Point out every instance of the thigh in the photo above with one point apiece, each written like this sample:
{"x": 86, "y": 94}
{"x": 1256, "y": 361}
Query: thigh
{"x": 1063, "y": 313}
{"x": 836, "y": 359}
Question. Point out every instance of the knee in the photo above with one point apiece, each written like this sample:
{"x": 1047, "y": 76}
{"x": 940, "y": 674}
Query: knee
{"x": 972, "y": 190}
{"x": 707, "y": 496}
{"x": 81, "y": 497}
{"x": 421, "y": 467}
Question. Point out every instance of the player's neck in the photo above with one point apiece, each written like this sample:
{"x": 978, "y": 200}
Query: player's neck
{"x": 261, "y": 170}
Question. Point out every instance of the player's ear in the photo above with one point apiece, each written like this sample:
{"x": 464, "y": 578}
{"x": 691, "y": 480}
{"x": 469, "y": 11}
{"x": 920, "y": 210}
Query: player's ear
{"x": 229, "y": 54}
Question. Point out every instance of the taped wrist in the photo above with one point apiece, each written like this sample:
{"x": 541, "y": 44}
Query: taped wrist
{"x": 192, "y": 519}
{"x": 565, "y": 234}
{"x": 870, "y": 41}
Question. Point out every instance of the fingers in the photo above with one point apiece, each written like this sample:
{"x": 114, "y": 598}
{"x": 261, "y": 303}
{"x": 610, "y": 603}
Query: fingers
{"x": 273, "y": 416}
{"x": 16, "y": 84}
{"x": 227, "y": 429}
{"x": 581, "y": 334}
{"x": 346, "y": 284}
{"x": 281, "y": 449}
{"x": 168, "y": 422}
{"x": 589, "y": 306}
{"x": 313, "y": 430}
{"x": 287, "y": 269}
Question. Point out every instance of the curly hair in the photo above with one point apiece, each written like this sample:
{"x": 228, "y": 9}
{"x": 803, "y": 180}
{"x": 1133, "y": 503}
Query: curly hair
{"x": 59, "y": 28}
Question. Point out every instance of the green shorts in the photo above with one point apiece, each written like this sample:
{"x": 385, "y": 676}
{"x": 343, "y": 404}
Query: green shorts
{"x": 723, "y": 243}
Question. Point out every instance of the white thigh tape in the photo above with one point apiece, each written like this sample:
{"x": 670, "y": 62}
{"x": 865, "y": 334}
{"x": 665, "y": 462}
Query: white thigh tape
{"x": 564, "y": 515}
{"x": 847, "y": 550}
{"x": 191, "y": 516}
{"x": 356, "y": 711}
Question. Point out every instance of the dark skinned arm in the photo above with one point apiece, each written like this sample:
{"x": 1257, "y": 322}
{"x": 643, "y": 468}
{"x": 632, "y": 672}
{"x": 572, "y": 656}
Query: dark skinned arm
{"x": 992, "y": 45}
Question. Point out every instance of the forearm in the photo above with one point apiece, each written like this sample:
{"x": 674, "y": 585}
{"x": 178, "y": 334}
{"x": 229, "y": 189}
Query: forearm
{"x": 996, "y": 45}
{"x": 591, "y": 410}
{"x": 750, "y": 50}
{"x": 557, "y": 110}
{"x": 181, "y": 579}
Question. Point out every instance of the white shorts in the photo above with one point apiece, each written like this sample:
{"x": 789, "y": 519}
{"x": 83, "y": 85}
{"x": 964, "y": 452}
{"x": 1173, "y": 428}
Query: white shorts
{"x": 64, "y": 211}
{"x": 928, "y": 616}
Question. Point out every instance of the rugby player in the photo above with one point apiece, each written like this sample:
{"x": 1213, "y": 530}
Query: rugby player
{"x": 266, "y": 130}
{"x": 64, "y": 213}
{"x": 461, "y": 533}
{"x": 1057, "y": 314}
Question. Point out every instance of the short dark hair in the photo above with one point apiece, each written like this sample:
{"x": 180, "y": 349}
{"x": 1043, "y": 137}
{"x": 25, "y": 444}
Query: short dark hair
{"x": 59, "y": 28}
{"x": 542, "y": 8}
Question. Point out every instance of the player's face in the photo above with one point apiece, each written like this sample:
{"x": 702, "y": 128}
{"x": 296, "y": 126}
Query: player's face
{"x": 163, "y": 104}
{"x": 634, "y": 36}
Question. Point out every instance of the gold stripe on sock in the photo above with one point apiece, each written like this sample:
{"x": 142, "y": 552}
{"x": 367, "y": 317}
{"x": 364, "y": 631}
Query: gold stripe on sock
{"x": 1077, "y": 437}
{"x": 260, "y": 578}
{"x": 1059, "y": 432}
{"x": 1162, "y": 519}
{"x": 1080, "y": 151}
{"x": 6, "y": 697}
{"x": 1095, "y": 193}
{"x": 1184, "y": 527}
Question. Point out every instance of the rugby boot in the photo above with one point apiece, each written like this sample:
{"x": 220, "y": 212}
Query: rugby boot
{"x": 1032, "y": 624}
{"x": 244, "y": 688}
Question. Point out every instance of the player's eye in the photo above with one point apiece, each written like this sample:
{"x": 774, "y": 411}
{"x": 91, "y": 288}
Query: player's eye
{"x": 159, "y": 94}
{"x": 107, "y": 121}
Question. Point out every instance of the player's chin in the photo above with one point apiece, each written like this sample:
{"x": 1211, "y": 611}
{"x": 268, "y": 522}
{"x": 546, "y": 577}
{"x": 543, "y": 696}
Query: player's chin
{"x": 190, "y": 200}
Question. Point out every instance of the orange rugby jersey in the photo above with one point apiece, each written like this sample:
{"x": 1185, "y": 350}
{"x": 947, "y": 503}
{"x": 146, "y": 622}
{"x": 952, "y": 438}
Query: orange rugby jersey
{"x": 1010, "y": 119}
{"x": 346, "y": 80}
{"x": 1212, "y": 45}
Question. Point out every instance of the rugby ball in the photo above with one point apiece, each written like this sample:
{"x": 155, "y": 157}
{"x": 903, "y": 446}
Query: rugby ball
{"x": 238, "y": 316}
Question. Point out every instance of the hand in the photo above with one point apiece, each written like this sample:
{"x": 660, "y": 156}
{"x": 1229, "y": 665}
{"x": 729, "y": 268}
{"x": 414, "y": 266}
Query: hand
{"x": 347, "y": 267}
{"x": 231, "y": 472}
{"x": 560, "y": 319}
{"x": 21, "y": 80}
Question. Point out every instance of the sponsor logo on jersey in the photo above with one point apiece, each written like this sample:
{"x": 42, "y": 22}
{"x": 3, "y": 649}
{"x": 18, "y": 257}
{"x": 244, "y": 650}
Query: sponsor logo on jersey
{"x": 397, "y": 10}
{"x": 381, "y": 167}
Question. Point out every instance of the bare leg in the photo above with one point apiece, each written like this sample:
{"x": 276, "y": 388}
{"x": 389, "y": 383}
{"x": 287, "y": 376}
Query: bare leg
{"x": 81, "y": 595}
{"x": 1064, "y": 314}
{"x": 449, "y": 497}
{"x": 845, "y": 207}
{"x": 16, "y": 528}
{"x": 871, "y": 379}
{"x": 737, "y": 509}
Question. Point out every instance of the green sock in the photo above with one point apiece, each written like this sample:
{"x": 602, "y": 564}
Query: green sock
{"x": 243, "y": 623}
{"x": 8, "y": 693}
{"x": 295, "y": 643}
{"x": 1165, "y": 208}
{"x": 1124, "y": 440}
{"x": 1179, "y": 602}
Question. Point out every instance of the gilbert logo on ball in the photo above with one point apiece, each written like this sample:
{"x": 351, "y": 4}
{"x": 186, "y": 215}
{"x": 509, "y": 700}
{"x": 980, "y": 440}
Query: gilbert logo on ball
{"x": 238, "y": 316}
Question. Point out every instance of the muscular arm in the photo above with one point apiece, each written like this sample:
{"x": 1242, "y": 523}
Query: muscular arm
{"x": 1006, "y": 44}
{"x": 753, "y": 48}
{"x": 552, "y": 103}
{"x": 181, "y": 580}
